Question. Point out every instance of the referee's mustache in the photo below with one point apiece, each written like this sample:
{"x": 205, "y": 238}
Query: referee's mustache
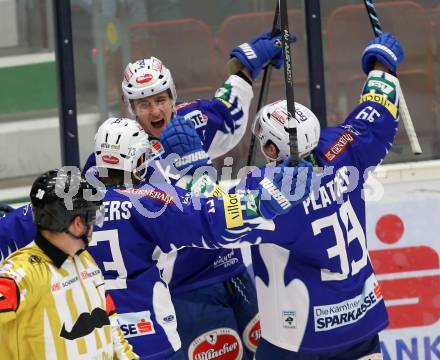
{"x": 85, "y": 324}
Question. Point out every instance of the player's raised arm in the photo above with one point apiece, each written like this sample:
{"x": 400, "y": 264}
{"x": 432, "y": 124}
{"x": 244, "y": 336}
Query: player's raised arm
{"x": 372, "y": 125}
{"x": 230, "y": 108}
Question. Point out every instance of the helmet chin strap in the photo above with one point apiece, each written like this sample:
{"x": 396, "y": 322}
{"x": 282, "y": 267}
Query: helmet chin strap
{"x": 82, "y": 237}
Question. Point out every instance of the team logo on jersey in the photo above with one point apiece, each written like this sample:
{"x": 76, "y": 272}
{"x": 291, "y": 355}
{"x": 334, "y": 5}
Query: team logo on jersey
{"x": 232, "y": 208}
{"x": 334, "y": 151}
{"x": 26, "y": 209}
{"x": 224, "y": 94}
{"x": 381, "y": 99}
{"x": 251, "y": 205}
{"x": 89, "y": 274}
{"x": 226, "y": 261}
{"x": 349, "y": 311}
{"x": 186, "y": 200}
{"x": 252, "y": 334}
{"x": 185, "y": 104}
{"x": 144, "y": 79}
{"x": 150, "y": 193}
{"x": 221, "y": 344}
{"x": 34, "y": 259}
{"x": 56, "y": 286}
{"x": 169, "y": 318}
{"x": 198, "y": 118}
{"x": 289, "y": 319}
{"x": 136, "y": 324}
{"x": 110, "y": 159}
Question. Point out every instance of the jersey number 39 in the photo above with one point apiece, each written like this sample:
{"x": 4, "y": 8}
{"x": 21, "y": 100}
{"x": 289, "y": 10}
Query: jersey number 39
{"x": 344, "y": 235}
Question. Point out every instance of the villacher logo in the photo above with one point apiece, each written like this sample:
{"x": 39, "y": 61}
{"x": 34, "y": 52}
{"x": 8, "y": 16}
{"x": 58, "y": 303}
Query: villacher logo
{"x": 221, "y": 344}
{"x": 252, "y": 334}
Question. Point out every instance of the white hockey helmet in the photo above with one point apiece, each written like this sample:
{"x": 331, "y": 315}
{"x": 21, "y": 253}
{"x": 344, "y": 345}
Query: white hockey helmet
{"x": 144, "y": 78}
{"x": 122, "y": 144}
{"x": 270, "y": 122}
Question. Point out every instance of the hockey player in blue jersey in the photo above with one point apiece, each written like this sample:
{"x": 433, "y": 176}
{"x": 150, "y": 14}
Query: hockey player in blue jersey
{"x": 317, "y": 292}
{"x": 220, "y": 277}
{"x": 126, "y": 246}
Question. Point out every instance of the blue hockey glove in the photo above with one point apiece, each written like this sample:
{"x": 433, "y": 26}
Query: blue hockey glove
{"x": 279, "y": 196}
{"x": 257, "y": 53}
{"x": 385, "y": 49}
{"x": 180, "y": 137}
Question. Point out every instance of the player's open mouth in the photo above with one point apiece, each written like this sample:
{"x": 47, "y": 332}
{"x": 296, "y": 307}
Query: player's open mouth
{"x": 158, "y": 124}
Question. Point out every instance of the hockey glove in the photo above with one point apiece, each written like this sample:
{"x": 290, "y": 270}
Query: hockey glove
{"x": 257, "y": 53}
{"x": 289, "y": 187}
{"x": 385, "y": 49}
{"x": 180, "y": 137}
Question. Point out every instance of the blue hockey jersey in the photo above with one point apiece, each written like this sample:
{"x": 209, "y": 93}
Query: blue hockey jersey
{"x": 316, "y": 287}
{"x": 17, "y": 229}
{"x": 221, "y": 124}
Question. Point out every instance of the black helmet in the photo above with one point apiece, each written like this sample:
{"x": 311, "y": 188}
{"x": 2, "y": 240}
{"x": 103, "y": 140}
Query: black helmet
{"x": 57, "y": 197}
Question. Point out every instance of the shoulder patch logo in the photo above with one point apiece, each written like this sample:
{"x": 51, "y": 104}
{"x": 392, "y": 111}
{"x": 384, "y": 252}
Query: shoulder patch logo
{"x": 9, "y": 295}
{"x": 381, "y": 99}
{"x": 339, "y": 146}
{"x": 34, "y": 259}
{"x": 224, "y": 94}
{"x": 184, "y": 104}
{"x": 198, "y": 118}
{"x": 153, "y": 194}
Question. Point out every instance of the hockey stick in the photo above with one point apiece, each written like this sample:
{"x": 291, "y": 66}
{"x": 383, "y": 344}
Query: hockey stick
{"x": 288, "y": 79}
{"x": 262, "y": 99}
{"x": 404, "y": 113}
